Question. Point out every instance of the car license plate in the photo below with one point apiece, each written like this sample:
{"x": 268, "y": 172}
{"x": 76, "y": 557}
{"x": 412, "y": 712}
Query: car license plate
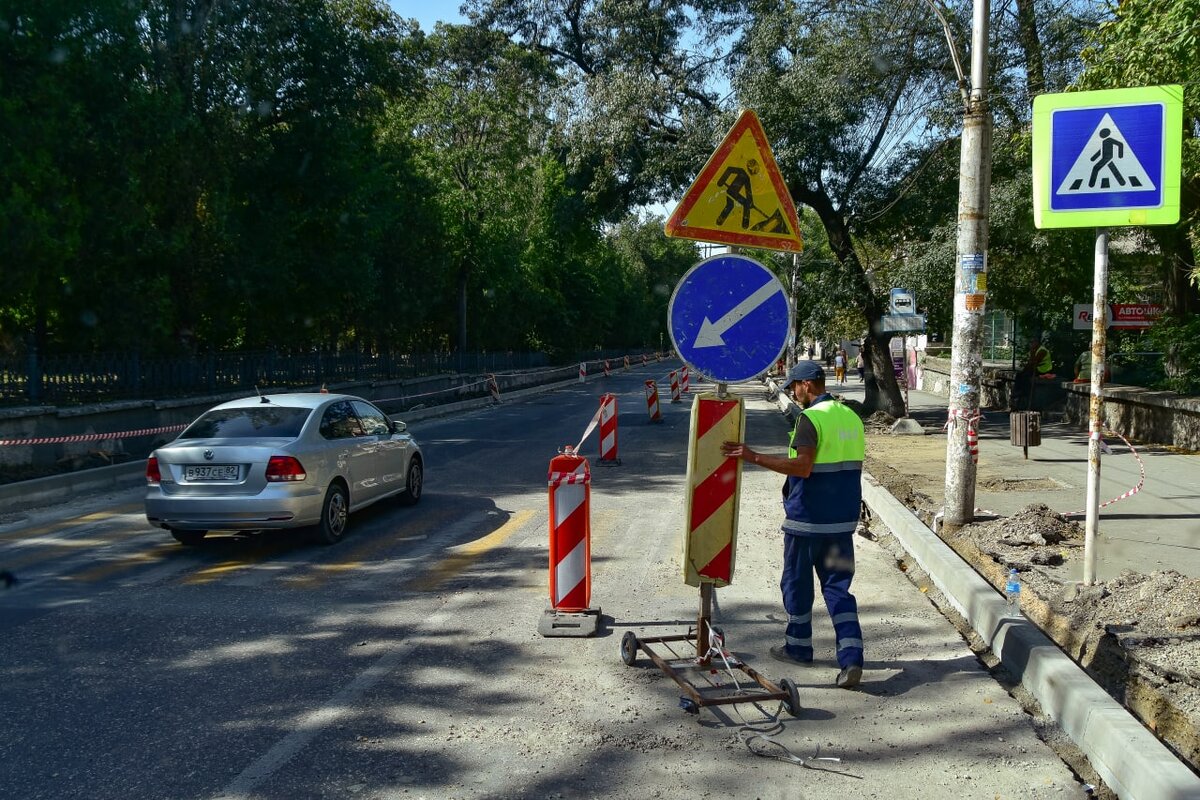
{"x": 211, "y": 472}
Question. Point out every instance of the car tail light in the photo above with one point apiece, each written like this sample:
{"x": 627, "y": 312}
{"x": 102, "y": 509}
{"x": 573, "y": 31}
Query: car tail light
{"x": 153, "y": 476}
{"x": 285, "y": 468}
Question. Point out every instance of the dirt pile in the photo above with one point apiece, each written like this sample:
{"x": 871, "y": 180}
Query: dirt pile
{"x": 1137, "y": 635}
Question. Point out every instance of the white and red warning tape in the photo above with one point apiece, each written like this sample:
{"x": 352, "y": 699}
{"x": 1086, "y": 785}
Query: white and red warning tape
{"x": 972, "y": 420}
{"x": 559, "y": 478}
{"x": 92, "y": 437}
{"x": 1141, "y": 478}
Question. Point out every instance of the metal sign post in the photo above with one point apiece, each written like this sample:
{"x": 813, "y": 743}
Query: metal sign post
{"x": 1096, "y": 406}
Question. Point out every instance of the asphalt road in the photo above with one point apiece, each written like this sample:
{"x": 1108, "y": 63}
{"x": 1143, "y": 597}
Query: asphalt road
{"x": 405, "y": 661}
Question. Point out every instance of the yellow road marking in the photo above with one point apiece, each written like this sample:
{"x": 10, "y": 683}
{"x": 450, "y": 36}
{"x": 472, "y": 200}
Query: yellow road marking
{"x": 247, "y": 560}
{"x": 98, "y": 516}
{"x": 467, "y": 554}
{"x": 52, "y": 550}
{"x": 358, "y": 556}
{"x": 154, "y": 555}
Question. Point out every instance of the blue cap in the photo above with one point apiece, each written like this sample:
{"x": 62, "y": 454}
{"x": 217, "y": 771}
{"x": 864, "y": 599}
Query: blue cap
{"x": 805, "y": 371}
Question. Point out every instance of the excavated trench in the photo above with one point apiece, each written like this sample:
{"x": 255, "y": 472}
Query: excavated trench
{"x": 1137, "y": 635}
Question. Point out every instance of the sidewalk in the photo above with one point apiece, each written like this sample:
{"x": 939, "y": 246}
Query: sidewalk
{"x": 1157, "y": 528}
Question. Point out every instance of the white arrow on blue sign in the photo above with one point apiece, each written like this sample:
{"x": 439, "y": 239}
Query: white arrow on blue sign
{"x": 729, "y": 318}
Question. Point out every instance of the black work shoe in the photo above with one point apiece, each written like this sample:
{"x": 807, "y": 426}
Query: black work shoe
{"x": 849, "y": 677}
{"x": 781, "y": 654}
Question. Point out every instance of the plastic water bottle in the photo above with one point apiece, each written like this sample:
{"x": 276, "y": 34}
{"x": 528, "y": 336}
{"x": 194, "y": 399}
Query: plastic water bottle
{"x": 1012, "y": 593}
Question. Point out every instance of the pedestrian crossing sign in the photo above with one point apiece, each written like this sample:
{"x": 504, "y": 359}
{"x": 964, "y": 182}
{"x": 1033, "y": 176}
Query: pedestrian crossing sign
{"x": 1109, "y": 158}
{"x": 739, "y": 197}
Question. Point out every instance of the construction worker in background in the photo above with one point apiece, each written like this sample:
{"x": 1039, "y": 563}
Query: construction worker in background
{"x": 1083, "y": 368}
{"x": 822, "y": 496}
{"x": 1038, "y": 365}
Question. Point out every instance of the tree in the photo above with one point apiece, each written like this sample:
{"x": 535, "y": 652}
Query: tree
{"x": 1149, "y": 43}
{"x": 484, "y": 121}
{"x": 837, "y": 89}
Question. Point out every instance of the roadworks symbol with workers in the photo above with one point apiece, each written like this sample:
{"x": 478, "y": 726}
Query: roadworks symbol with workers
{"x": 1107, "y": 164}
{"x": 739, "y": 191}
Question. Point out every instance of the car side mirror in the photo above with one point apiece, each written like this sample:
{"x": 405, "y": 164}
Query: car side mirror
{"x": 398, "y": 426}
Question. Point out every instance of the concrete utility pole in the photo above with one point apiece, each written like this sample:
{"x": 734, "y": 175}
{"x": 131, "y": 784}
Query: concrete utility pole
{"x": 970, "y": 284}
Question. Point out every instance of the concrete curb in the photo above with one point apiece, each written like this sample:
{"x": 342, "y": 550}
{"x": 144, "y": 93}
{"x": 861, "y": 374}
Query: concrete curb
{"x": 59, "y": 488}
{"x": 1130, "y": 759}
{"x": 53, "y": 489}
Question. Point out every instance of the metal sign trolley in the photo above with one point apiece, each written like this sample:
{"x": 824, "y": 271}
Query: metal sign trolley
{"x": 703, "y": 689}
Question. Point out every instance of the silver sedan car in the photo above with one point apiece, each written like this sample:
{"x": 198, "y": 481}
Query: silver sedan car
{"x": 302, "y": 460}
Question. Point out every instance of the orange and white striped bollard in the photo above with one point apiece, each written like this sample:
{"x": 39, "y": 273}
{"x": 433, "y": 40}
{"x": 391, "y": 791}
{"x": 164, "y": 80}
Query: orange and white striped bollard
{"x": 686, "y": 388}
{"x": 608, "y": 429}
{"x": 652, "y": 401}
{"x": 582, "y": 371}
{"x": 675, "y": 386}
{"x": 607, "y": 369}
{"x": 570, "y": 532}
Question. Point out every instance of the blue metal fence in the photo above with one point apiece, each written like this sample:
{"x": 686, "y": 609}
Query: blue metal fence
{"x": 77, "y": 379}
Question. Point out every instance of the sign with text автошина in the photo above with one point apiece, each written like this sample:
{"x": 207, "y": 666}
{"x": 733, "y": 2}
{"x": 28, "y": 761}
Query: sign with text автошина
{"x": 1109, "y": 158}
{"x": 1126, "y": 316}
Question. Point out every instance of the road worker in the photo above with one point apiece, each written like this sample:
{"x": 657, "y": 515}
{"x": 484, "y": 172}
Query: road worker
{"x": 822, "y": 499}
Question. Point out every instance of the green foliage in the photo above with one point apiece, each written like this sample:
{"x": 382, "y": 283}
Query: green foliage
{"x": 1178, "y": 338}
{"x": 1150, "y": 43}
{"x": 300, "y": 173}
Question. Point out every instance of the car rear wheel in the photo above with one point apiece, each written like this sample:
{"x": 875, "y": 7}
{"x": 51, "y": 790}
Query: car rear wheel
{"x": 414, "y": 483}
{"x": 334, "y": 513}
{"x": 190, "y": 538}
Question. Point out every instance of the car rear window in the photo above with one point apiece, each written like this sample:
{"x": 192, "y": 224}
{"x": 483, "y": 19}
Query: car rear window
{"x": 259, "y": 422}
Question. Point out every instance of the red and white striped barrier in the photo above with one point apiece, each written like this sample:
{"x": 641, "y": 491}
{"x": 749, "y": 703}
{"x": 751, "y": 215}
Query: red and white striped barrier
{"x": 1141, "y": 479}
{"x": 710, "y": 540}
{"x": 607, "y": 369}
{"x": 92, "y": 437}
{"x": 652, "y": 401}
{"x": 675, "y": 386}
{"x": 582, "y": 371}
{"x": 608, "y": 429}
{"x": 626, "y": 362}
{"x": 643, "y": 359}
{"x": 493, "y": 388}
{"x": 684, "y": 378}
{"x": 570, "y": 532}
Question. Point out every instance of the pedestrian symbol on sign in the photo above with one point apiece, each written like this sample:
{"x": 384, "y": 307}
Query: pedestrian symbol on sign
{"x": 1106, "y": 164}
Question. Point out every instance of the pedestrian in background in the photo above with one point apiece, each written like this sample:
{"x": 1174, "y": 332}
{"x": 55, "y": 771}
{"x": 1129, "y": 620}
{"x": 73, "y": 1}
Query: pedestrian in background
{"x": 839, "y": 366}
{"x": 822, "y": 496}
{"x": 860, "y": 365}
{"x": 1038, "y": 365}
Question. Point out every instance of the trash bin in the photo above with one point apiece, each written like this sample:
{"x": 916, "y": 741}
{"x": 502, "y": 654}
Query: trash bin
{"x": 1025, "y": 428}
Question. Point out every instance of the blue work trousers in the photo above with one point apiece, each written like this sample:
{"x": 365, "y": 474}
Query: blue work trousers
{"x": 832, "y": 558}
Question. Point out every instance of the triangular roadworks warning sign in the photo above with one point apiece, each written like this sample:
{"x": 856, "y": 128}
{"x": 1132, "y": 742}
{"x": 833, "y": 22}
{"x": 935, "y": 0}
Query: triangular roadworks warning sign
{"x": 1107, "y": 164}
{"x": 740, "y": 197}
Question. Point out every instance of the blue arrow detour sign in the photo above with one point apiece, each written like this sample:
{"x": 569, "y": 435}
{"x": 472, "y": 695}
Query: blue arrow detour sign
{"x": 729, "y": 318}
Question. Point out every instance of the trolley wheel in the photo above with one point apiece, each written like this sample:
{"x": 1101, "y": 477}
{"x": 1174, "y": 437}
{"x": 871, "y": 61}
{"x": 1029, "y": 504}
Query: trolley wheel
{"x": 629, "y": 648}
{"x": 792, "y": 702}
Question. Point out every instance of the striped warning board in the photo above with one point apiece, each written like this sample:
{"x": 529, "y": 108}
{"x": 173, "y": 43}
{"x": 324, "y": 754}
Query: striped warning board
{"x": 713, "y": 487}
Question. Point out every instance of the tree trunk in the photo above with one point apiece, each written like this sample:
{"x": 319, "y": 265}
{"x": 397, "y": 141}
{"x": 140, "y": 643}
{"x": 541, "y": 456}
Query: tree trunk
{"x": 882, "y": 391}
{"x": 1027, "y": 33}
{"x": 1180, "y": 295}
